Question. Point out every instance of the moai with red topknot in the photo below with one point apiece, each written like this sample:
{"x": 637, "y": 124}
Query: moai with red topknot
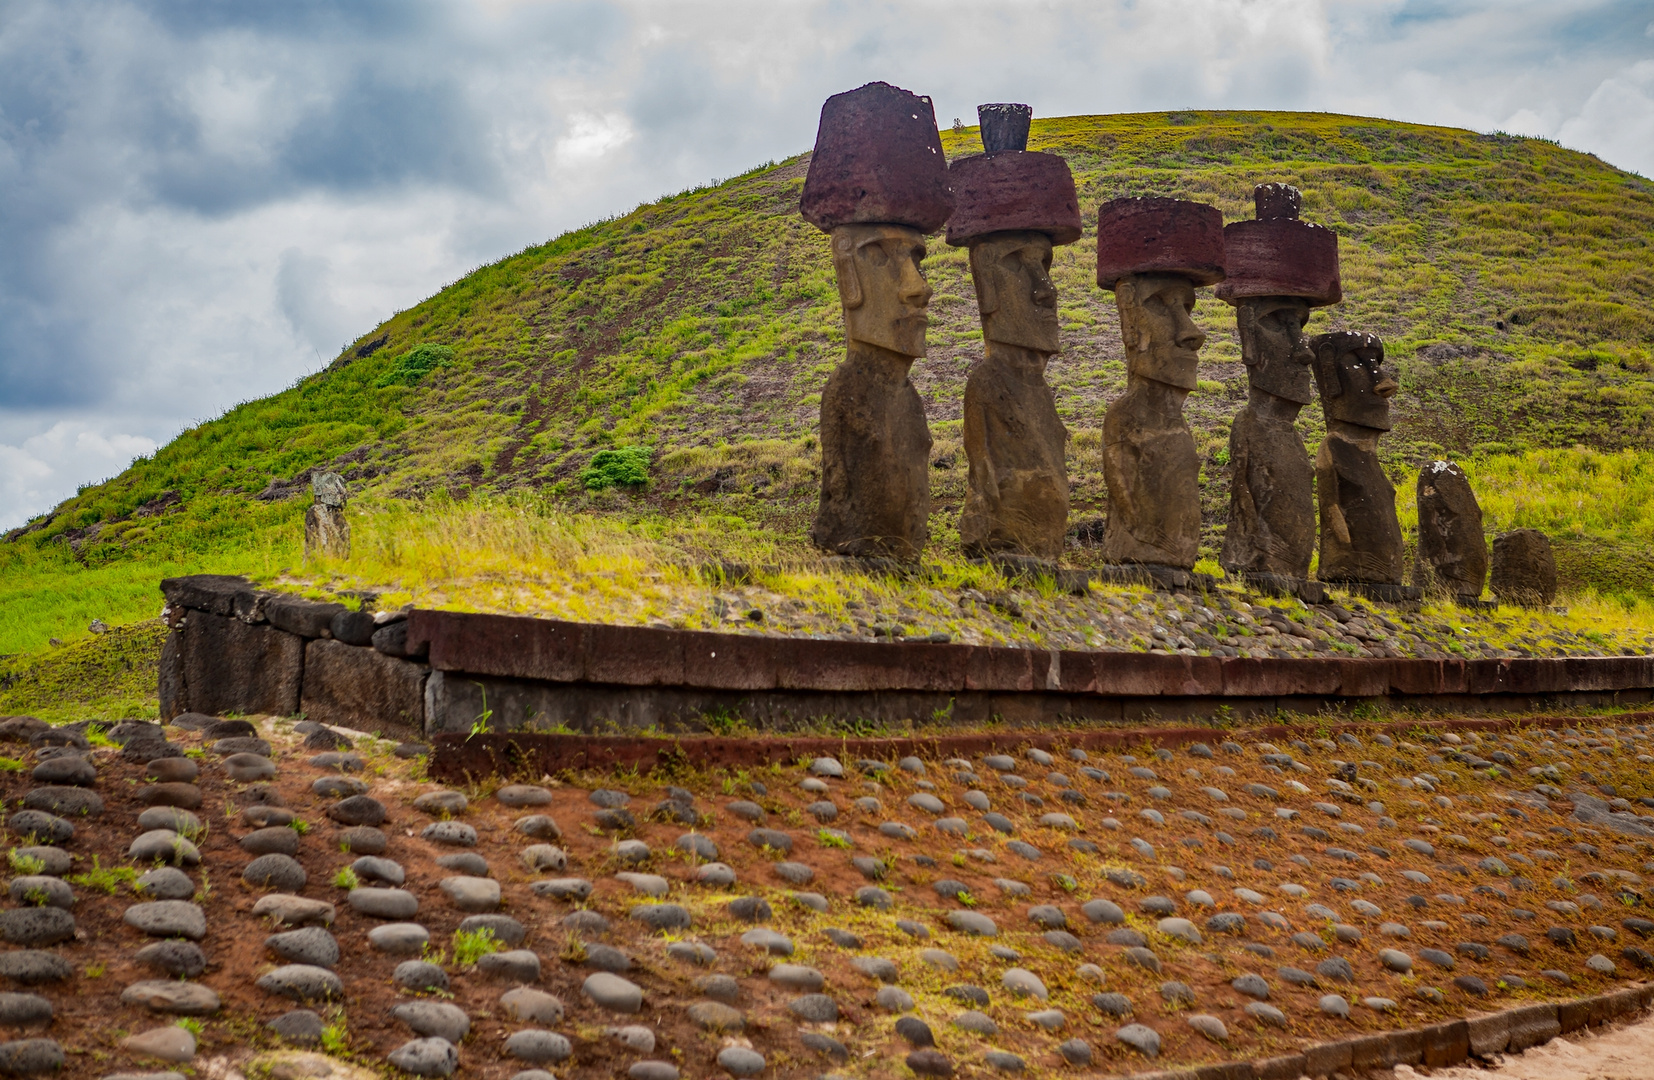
{"x": 1279, "y": 267}
{"x": 1011, "y": 207}
{"x": 877, "y": 185}
{"x": 1154, "y": 253}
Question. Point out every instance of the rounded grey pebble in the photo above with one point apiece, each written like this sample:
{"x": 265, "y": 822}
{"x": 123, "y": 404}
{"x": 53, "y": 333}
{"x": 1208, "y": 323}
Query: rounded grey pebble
{"x": 399, "y": 939}
{"x": 303, "y": 982}
{"x": 612, "y": 992}
{"x": 464, "y": 862}
{"x": 27, "y": 1056}
{"x": 539, "y": 827}
{"x": 373, "y": 868}
{"x": 1266, "y": 1013}
{"x": 662, "y": 916}
{"x": 166, "y": 883}
{"x": 1076, "y": 1052}
{"x": 419, "y": 975}
{"x": 978, "y": 1023}
{"x": 650, "y": 1070}
{"x": 168, "y": 918}
{"x": 383, "y": 903}
{"x": 426, "y": 1057}
{"x": 42, "y": 890}
{"x": 507, "y": 930}
{"x": 169, "y": 819}
{"x": 515, "y": 965}
{"x": 893, "y": 998}
{"x": 1004, "y": 1061}
{"x": 182, "y": 959}
{"x": 279, "y": 872}
{"x": 45, "y": 828}
{"x": 738, "y": 1061}
{"x": 311, "y": 945}
{"x": 1333, "y": 1005}
{"x": 301, "y": 1026}
{"x": 539, "y": 1047}
{"x": 569, "y": 888}
{"x": 1140, "y": 1037}
{"x": 54, "y": 862}
{"x": 163, "y": 845}
{"x": 16, "y": 1010}
{"x": 693, "y": 952}
{"x": 456, "y": 833}
{"x": 814, "y": 1009}
{"x": 438, "y": 1018}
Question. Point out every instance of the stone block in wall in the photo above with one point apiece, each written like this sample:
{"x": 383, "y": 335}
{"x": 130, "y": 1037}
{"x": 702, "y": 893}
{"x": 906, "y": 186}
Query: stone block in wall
{"x": 1445, "y": 1044}
{"x": 1285, "y": 1067}
{"x": 392, "y": 640}
{"x": 174, "y": 699}
{"x": 296, "y": 615}
{"x": 1369, "y": 1052}
{"x": 1324, "y": 1059}
{"x": 358, "y": 687}
{"x": 1532, "y": 1025}
{"x": 215, "y": 594}
{"x": 1488, "y": 1034}
{"x": 231, "y": 666}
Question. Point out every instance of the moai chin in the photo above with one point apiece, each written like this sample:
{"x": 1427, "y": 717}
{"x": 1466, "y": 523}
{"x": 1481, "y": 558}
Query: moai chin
{"x": 1279, "y": 268}
{"x": 1012, "y": 206}
{"x": 877, "y": 185}
{"x": 1154, "y": 253}
{"x": 1360, "y": 534}
{"x": 1452, "y": 558}
{"x": 326, "y": 532}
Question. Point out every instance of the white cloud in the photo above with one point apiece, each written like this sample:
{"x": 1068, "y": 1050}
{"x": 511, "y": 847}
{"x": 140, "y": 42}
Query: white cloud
{"x": 1617, "y": 122}
{"x": 65, "y": 454}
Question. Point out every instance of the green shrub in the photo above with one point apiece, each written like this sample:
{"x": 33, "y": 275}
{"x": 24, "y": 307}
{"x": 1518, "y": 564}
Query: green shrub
{"x": 623, "y": 466}
{"x": 417, "y": 363}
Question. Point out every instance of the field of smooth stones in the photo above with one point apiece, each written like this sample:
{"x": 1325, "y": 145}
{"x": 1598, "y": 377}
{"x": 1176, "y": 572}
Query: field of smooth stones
{"x": 208, "y": 896}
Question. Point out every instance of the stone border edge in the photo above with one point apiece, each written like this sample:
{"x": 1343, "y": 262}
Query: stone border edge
{"x": 1435, "y": 1045}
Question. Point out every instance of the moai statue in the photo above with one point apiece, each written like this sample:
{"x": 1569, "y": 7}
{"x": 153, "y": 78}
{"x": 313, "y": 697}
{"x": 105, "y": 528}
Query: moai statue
{"x": 1452, "y": 556}
{"x": 326, "y": 532}
{"x": 1011, "y": 207}
{"x": 1278, "y": 268}
{"x": 1154, "y": 253}
{"x": 878, "y": 184}
{"x": 1360, "y": 536}
{"x": 1524, "y": 568}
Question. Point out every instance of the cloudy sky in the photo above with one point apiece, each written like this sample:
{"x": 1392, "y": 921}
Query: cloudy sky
{"x": 202, "y": 201}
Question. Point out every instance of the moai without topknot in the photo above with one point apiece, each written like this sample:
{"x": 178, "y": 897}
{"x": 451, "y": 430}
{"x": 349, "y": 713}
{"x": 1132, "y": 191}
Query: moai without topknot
{"x": 1361, "y": 545}
{"x": 326, "y": 532}
{"x": 1154, "y": 253}
{"x": 1279, "y": 268}
{"x": 1011, "y": 207}
{"x": 877, "y": 185}
{"x": 1452, "y": 558}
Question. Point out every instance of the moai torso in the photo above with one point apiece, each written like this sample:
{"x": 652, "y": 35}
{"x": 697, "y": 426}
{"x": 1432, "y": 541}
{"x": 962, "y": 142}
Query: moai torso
{"x": 1150, "y": 463}
{"x": 326, "y": 532}
{"x": 1271, "y": 526}
{"x": 1360, "y": 534}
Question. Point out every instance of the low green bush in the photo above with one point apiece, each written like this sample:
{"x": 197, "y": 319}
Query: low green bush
{"x": 622, "y": 466}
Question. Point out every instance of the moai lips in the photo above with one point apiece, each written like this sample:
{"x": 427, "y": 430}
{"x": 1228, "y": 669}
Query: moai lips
{"x": 1278, "y": 269}
{"x": 878, "y": 184}
{"x": 1012, "y": 206}
{"x": 1153, "y": 253}
{"x": 1452, "y": 555}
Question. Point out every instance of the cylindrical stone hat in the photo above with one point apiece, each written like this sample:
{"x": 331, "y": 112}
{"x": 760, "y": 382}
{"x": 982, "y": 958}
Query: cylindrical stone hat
{"x": 1159, "y": 236}
{"x": 878, "y": 160}
{"x": 1013, "y": 189}
{"x": 1280, "y": 255}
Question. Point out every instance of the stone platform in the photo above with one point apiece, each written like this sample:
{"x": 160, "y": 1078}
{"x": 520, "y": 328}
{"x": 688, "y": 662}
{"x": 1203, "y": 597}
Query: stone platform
{"x": 234, "y": 648}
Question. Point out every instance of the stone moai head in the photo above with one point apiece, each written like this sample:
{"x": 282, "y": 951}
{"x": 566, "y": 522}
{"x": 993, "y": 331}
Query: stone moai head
{"x": 1011, "y": 208}
{"x": 1349, "y": 375}
{"x": 1154, "y": 253}
{"x": 878, "y": 183}
{"x": 1278, "y": 269}
{"x": 328, "y": 488}
{"x": 885, "y": 295}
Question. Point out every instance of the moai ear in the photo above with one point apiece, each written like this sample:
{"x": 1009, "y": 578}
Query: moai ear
{"x": 983, "y": 269}
{"x": 1327, "y": 372}
{"x": 844, "y": 266}
{"x": 1132, "y": 332}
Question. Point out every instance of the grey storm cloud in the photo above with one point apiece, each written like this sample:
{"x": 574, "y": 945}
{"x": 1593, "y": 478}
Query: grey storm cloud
{"x": 202, "y": 201}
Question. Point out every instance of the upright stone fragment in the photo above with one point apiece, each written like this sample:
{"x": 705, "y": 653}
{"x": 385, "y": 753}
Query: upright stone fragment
{"x": 1012, "y": 206}
{"x": 1153, "y": 253}
{"x": 1361, "y": 545}
{"x": 1278, "y": 267}
{"x": 1452, "y": 559}
{"x": 878, "y": 184}
{"x": 1524, "y": 570}
{"x": 326, "y": 532}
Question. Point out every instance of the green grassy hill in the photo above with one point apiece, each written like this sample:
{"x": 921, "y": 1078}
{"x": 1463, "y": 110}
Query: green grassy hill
{"x": 1512, "y": 280}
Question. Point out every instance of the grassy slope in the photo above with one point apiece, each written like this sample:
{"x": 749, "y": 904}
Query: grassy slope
{"x": 1512, "y": 280}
